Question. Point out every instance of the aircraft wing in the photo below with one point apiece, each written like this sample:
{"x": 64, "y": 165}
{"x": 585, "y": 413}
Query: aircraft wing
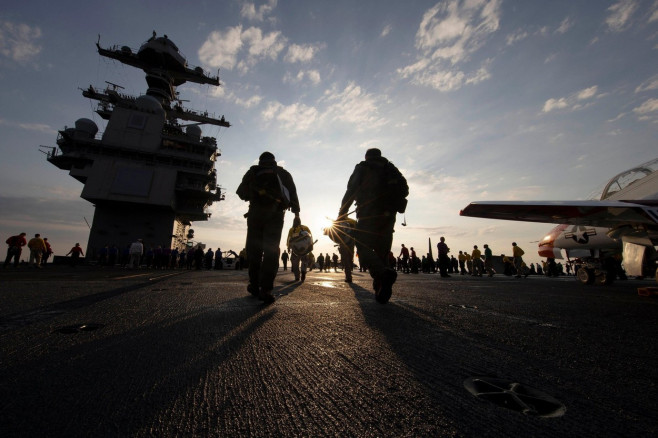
{"x": 610, "y": 214}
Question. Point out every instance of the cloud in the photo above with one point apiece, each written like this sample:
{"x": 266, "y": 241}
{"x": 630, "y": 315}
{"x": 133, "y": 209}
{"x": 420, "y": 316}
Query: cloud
{"x": 620, "y": 14}
{"x": 515, "y": 37}
{"x": 215, "y": 92}
{"x": 221, "y": 49}
{"x": 353, "y": 105}
{"x": 301, "y": 53}
{"x": 312, "y": 76}
{"x": 425, "y": 184}
{"x": 295, "y": 118}
{"x": 448, "y": 80}
{"x": 18, "y": 42}
{"x": 249, "y": 102}
{"x": 649, "y": 84}
{"x": 550, "y": 58}
{"x": 250, "y": 12}
{"x": 246, "y": 96}
{"x": 571, "y": 102}
{"x": 544, "y": 31}
{"x": 268, "y": 45}
{"x": 587, "y": 93}
{"x": 454, "y": 29}
{"x": 414, "y": 69}
{"x": 618, "y": 117}
{"x": 654, "y": 13}
{"x": 38, "y": 127}
{"x": 445, "y": 80}
{"x": 289, "y": 78}
{"x": 564, "y": 26}
{"x": 647, "y": 109}
{"x": 224, "y": 215}
{"x": 448, "y": 34}
{"x": 481, "y": 75}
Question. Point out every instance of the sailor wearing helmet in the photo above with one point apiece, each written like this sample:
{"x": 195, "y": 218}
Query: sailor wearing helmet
{"x": 299, "y": 243}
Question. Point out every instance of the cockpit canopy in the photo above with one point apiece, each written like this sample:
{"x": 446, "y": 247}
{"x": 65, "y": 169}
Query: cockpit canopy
{"x": 628, "y": 177}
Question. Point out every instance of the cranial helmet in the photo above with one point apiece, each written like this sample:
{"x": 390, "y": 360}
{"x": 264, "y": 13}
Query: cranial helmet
{"x": 302, "y": 244}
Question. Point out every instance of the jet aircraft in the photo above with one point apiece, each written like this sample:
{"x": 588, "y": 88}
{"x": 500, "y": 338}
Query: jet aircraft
{"x": 624, "y": 219}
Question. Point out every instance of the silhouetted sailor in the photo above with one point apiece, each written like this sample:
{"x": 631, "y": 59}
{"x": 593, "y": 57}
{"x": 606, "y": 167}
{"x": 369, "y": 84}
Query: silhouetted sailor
{"x": 270, "y": 191}
{"x": 380, "y": 191}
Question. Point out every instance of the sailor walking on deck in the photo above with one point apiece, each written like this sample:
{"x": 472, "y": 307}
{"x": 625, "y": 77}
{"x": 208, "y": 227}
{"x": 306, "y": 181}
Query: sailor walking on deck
{"x": 270, "y": 191}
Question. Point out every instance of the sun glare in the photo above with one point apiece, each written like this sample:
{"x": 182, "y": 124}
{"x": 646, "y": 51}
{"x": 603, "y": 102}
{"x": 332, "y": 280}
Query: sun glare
{"x": 326, "y": 222}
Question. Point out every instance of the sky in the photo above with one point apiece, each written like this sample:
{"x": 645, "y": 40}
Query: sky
{"x": 472, "y": 100}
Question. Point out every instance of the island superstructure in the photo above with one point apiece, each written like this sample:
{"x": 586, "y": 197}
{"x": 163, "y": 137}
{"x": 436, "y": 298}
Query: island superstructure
{"x": 148, "y": 175}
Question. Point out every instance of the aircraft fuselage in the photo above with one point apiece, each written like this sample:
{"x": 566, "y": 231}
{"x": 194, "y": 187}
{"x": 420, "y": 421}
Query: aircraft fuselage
{"x": 575, "y": 238}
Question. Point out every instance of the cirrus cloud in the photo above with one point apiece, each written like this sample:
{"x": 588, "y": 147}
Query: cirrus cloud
{"x": 351, "y": 105}
{"x": 572, "y": 102}
{"x": 448, "y": 34}
{"x": 19, "y": 41}
{"x": 620, "y": 15}
{"x": 296, "y": 117}
{"x": 648, "y": 111}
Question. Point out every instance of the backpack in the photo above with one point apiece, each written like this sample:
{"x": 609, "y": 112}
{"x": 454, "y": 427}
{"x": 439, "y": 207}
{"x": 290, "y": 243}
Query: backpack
{"x": 383, "y": 185}
{"x": 267, "y": 188}
{"x": 397, "y": 189}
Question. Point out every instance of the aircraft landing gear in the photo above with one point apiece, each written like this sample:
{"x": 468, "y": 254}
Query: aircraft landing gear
{"x": 594, "y": 270}
{"x": 591, "y": 276}
{"x": 603, "y": 278}
{"x": 586, "y": 275}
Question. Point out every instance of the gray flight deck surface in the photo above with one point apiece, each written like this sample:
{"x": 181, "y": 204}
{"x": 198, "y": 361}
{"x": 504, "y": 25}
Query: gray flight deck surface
{"x": 93, "y": 353}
